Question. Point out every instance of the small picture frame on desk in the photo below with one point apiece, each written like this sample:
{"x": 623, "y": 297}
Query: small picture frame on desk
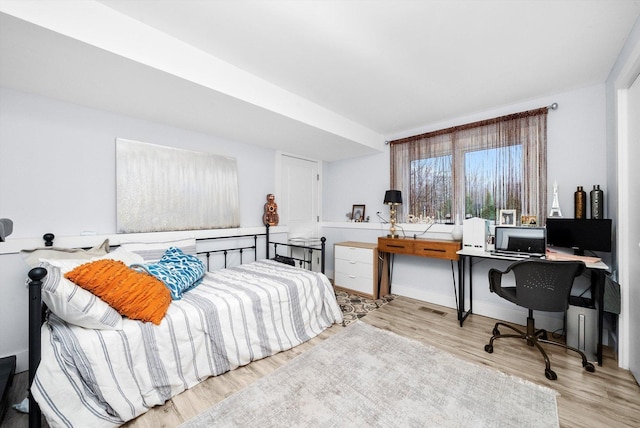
{"x": 529, "y": 220}
{"x": 357, "y": 213}
{"x": 507, "y": 217}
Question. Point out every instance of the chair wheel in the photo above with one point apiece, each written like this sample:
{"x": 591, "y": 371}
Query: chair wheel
{"x": 589, "y": 367}
{"x": 496, "y": 332}
{"x": 550, "y": 374}
{"x": 544, "y": 336}
{"x": 488, "y": 348}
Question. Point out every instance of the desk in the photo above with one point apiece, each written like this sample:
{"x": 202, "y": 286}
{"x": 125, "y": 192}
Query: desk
{"x": 433, "y": 248}
{"x": 598, "y": 271}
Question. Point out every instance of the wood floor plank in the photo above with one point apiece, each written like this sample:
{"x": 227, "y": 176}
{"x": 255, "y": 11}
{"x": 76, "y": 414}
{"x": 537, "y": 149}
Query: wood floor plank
{"x": 610, "y": 397}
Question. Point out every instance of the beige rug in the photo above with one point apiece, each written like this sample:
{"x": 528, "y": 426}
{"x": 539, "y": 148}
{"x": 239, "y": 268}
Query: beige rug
{"x": 387, "y": 381}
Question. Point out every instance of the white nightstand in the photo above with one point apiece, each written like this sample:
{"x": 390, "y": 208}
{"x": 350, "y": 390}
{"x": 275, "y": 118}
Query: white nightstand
{"x": 356, "y": 268}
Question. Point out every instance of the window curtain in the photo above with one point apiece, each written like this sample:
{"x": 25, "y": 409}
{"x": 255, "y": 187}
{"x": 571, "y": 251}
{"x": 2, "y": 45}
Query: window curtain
{"x": 420, "y": 188}
{"x": 515, "y": 144}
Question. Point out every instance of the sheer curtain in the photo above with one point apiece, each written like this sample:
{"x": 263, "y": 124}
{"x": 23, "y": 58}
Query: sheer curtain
{"x": 474, "y": 169}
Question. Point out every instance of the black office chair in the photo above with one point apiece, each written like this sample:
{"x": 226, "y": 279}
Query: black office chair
{"x": 541, "y": 285}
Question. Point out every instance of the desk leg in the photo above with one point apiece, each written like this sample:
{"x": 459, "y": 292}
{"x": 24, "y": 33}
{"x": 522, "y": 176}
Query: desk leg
{"x": 599, "y": 277}
{"x": 470, "y": 260}
{"x": 462, "y": 280}
{"x": 385, "y": 275}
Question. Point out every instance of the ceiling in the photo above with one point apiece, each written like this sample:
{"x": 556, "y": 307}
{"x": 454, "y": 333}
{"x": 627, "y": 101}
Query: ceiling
{"x": 326, "y": 79}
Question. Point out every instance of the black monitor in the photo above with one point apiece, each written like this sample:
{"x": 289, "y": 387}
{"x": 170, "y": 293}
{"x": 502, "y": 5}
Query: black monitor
{"x": 579, "y": 234}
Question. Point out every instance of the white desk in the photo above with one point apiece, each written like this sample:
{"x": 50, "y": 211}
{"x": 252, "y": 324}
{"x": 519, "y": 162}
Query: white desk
{"x": 597, "y": 269}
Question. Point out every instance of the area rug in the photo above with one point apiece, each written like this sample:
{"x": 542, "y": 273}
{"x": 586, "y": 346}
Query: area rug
{"x": 387, "y": 380}
{"x": 355, "y": 307}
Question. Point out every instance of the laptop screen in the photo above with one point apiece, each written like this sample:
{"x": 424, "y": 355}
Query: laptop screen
{"x": 528, "y": 240}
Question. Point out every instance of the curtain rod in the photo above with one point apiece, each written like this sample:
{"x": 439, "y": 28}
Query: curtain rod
{"x": 534, "y": 112}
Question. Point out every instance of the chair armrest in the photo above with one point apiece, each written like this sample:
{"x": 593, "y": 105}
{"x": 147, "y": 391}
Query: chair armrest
{"x": 495, "y": 280}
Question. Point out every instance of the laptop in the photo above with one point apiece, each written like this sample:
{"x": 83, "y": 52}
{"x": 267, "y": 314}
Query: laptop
{"x": 521, "y": 242}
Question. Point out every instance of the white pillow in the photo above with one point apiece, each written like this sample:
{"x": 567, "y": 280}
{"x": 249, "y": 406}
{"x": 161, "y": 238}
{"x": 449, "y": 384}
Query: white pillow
{"x": 33, "y": 257}
{"x": 76, "y": 305}
{"x": 153, "y": 251}
{"x": 126, "y": 257}
{"x": 73, "y": 303}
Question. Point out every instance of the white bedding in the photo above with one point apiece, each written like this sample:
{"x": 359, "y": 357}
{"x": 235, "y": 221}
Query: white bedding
{"x": 96, "y": 378}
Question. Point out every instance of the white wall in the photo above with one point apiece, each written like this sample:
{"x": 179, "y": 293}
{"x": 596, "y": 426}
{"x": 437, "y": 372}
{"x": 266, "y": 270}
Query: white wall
{"x": 58, "y": 164}
{"x": 576, "y": 156}
{"x": 356, "y": 181}
{"x": 57, "y": 174}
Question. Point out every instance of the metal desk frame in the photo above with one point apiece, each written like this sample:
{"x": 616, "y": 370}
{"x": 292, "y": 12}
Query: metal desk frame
{"x": 465, "y": 264}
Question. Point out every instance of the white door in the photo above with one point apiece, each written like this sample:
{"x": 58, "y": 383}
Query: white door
{"x": 629, "y": 219}
{"x": 299, "y": 200}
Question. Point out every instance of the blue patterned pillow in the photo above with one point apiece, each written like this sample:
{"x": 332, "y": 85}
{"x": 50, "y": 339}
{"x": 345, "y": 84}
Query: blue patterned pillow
{"x": 180, "y": 272}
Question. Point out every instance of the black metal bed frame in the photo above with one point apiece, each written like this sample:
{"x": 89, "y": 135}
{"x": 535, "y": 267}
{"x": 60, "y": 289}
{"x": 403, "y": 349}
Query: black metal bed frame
{"x": 37, "y": 309}
{"x": 306, "y": 263}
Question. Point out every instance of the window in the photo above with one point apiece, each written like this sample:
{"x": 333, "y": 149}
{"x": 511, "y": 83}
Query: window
{"x": 431, "y": 188}
{"x": 492, "y": 175}
{"x": 474, "y": 170}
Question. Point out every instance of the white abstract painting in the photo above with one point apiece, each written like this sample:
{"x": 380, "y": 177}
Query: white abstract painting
{"x": 161, "y": 188}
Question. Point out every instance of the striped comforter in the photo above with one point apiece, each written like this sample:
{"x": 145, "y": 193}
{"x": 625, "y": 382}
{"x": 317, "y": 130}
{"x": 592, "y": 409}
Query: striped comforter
{"x": 104, "y": 378}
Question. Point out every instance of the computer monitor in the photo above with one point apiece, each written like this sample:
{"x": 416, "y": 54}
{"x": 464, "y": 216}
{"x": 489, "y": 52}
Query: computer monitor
{"x": 579, "y": 234}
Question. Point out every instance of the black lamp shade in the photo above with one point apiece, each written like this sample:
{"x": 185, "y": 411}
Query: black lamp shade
{"x": 6, "y": 227}
{"x": 393, "y": 197}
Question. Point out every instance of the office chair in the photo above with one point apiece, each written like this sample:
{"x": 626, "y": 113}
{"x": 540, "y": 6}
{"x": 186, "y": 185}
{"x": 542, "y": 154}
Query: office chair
{"x": 541, "y": 285}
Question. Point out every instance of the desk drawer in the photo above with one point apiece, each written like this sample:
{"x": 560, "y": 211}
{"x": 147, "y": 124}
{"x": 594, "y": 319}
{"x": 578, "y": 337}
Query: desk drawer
{"x": 355, "y": 254}
{"x": 437, "y": 249}
{"x": 397, "y": 246}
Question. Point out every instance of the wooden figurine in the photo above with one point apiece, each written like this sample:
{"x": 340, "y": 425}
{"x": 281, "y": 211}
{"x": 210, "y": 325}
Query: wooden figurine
{"x": 270, "y": 216}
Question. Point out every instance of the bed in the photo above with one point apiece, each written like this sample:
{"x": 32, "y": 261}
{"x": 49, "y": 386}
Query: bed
{"x": 104, "y": 377}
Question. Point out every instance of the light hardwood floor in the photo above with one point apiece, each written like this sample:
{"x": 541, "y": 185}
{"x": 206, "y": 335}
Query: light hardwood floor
{"x": 610, "y": 397}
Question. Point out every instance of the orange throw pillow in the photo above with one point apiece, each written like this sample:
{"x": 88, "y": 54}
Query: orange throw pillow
{"x": 136, "y": 295}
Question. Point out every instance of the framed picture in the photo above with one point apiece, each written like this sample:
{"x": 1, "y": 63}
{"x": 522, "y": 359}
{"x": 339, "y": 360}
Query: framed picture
{"x": 529, "y": 220}
{"x": 507, "y": 218}
{"x": 357, "y": 213}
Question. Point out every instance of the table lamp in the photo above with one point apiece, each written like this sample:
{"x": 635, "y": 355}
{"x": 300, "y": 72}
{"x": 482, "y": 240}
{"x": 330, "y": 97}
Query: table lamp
{"x": 6, "y": 227}
{"x": 393, "y": 198}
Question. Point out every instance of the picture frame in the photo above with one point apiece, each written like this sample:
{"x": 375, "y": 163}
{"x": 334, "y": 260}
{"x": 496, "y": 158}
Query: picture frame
{"x": 507, "y": 217}
{"x": 357, "y": 213}
{"x": 529, "y": 220}
{"x": 199, "y": 189}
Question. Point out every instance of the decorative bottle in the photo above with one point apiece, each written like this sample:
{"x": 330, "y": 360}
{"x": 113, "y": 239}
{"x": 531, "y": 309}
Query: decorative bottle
{"x": 597, "y": 202}
{"x": 580, "y": 203}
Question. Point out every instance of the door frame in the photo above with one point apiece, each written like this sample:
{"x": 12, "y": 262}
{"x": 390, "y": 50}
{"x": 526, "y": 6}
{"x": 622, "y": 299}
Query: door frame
{"x": 623, "y": 82}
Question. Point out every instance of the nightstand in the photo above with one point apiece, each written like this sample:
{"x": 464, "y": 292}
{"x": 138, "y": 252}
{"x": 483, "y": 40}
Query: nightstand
{"x": 356, "y": 268}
